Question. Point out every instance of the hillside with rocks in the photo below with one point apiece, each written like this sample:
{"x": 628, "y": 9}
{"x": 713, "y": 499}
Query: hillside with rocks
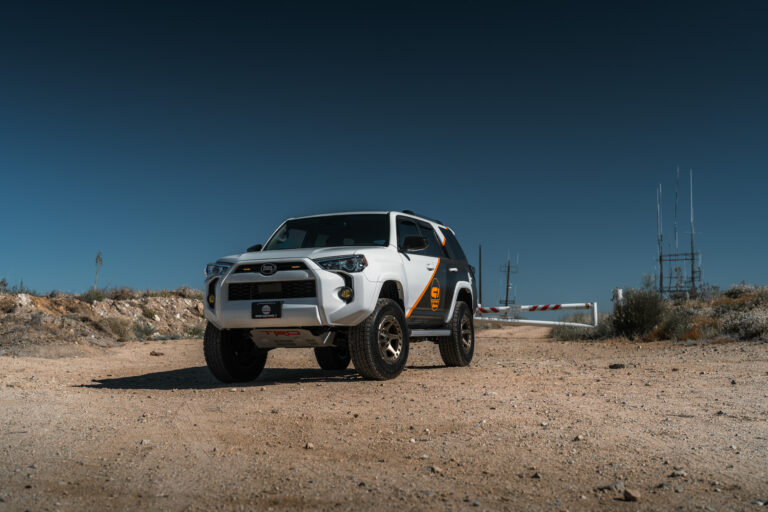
{"x": 28, "y": 321}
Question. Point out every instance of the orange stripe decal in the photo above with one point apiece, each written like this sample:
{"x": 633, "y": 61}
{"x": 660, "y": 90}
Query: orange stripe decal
{"x": 424, "y": 290}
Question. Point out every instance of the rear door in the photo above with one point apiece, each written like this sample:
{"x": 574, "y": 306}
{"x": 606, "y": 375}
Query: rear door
{"x": 457, "y": 266}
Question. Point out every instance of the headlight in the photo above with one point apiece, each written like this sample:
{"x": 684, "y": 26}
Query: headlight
{"x": 216, "y": 269}
{"x": 354, "y": 263}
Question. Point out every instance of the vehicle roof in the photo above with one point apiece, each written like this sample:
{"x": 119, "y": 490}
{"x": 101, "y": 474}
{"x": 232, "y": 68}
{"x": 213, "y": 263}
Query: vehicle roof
{"x": 380, "y": 212}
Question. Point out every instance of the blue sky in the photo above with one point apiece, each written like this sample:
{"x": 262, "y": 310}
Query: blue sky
{"x": 169, "y": 135}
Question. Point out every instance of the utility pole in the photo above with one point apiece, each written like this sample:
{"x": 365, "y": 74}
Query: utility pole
{"x": 480, "y": 271}
{"x": 509, "y": 268}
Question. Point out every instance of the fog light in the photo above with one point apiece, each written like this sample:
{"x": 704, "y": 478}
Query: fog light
{"x": 211, "y": 299}
{"x": 346, "y": 293}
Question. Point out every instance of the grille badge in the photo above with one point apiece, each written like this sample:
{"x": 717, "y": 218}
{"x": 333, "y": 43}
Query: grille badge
{"x": 268, "y": 269}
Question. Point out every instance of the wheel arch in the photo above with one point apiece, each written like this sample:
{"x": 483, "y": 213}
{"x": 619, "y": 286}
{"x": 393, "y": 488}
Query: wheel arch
{"x": 392, "y": 289}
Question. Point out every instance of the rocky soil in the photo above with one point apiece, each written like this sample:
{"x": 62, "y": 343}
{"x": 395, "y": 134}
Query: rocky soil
{"x": 532, "y": 424}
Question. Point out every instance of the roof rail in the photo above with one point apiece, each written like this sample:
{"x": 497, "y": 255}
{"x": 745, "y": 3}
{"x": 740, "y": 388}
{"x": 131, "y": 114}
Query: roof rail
{"x": 411, "y": 212}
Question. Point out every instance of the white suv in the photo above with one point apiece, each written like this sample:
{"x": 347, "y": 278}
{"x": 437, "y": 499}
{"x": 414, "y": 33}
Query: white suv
{"x": 354, "y": 286}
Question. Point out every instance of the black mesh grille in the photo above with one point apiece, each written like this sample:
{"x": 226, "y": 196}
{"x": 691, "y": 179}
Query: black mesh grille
{"x": 273, "y": 290}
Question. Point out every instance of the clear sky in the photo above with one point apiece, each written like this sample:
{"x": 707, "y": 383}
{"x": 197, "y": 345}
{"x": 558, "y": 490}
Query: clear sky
{"x": 169, "y": 135}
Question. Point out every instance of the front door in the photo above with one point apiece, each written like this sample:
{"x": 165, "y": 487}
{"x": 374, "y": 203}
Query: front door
{"x": 426, "y": 301}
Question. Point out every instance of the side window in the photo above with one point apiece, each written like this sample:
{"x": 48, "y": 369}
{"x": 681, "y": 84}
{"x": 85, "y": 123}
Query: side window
{"x": 405, "y": 228}
{"x": 435, "y": 248}
{"x": 454, "y": 249}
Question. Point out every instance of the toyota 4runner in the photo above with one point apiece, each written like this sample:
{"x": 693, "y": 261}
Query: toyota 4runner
{"x": 353, "y": 286}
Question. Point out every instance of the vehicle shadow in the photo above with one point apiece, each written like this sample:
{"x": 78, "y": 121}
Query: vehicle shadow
{"x": 199, "y": 377}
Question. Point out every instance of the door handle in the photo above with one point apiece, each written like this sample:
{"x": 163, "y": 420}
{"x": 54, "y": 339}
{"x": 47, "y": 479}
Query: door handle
{"x": 430, "y": 266}
{"x": 453, "y": 269}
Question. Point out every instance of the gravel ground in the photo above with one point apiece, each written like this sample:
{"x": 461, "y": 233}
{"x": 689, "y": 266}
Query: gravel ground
{"x": 532, "y": 424}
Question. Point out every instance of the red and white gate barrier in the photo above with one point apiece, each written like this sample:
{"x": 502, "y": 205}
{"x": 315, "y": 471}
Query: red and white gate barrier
{"x": 515, "y": 308}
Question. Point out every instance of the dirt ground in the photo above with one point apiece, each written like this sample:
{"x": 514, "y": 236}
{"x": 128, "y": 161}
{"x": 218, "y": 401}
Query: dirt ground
{"x": 532, "y": 424}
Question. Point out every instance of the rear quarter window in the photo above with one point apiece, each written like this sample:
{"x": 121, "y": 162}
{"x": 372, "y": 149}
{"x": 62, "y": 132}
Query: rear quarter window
{"x": 453, "y": 246}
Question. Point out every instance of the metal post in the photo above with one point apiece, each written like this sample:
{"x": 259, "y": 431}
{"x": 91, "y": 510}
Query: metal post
{"x": 594, "y": 314}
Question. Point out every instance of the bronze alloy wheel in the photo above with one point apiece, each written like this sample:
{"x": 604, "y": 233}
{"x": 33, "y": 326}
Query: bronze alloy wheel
{"x": 466, "y": 333}
{"x": 390, "y": 339}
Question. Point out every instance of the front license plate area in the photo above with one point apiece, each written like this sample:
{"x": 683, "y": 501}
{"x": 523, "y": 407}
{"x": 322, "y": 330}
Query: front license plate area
{"x": 266, "y": 309}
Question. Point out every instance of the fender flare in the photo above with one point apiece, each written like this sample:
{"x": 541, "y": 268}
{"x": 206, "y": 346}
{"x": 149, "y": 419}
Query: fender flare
{"x": 461, "y": 285}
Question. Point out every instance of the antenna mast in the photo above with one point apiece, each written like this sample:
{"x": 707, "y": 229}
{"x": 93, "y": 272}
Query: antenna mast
{"x": 693, "y": 250}
{"x": 659, "y": 238}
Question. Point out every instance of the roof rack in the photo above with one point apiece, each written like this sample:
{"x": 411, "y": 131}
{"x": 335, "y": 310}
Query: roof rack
{"x": 411, "y": 212}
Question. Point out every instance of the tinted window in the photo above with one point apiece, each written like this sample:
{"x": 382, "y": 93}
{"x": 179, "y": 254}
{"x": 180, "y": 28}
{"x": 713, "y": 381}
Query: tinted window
{"x": 434, "y": 248}
{"x": 405, "y": 228}
{"x": 454, "y": 249}
{"x": 331, "y": 231}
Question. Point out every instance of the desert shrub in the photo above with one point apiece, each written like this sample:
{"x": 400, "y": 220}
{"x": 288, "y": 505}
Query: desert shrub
{"x": 182, "y": 292}
{"x": 92, "y": 295}
{"x": 119, "y": 328}
{"x": 746, "y": 324}
{"x": 143, "y": 330}
{"x": 122, "y": 293}
{"x": 639, "y": 313}
{"x": 16, "y": 288}
{"x": 148, "y": 312}
{"x": 195, "y": 331}
{"x": 676, "y": 324}
{"x": 603, "y": 330}
{"x": 739, "y": 290}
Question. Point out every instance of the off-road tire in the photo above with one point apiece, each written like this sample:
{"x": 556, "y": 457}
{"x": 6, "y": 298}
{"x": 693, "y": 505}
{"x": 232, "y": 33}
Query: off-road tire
{"x": 231, "y": 355}
{"x": 332, "y": 358}
{"x": 456, "y": 349}
{"x": 364, "y": 342}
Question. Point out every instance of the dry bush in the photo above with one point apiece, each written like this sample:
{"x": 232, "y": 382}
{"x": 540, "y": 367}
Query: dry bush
{"x": 118, "y": 328}
{"x": 148, "y": 312}
{"x": 92, "y": 295}
{"x": 639, "y": 314}
{"x": 143, "y": 330}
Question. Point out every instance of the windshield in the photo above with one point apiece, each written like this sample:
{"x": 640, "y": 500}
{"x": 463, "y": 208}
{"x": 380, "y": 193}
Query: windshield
{"x": 332, "y": 231}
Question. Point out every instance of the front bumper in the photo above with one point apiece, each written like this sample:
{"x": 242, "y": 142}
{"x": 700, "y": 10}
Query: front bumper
{"x": 325, "y": 309}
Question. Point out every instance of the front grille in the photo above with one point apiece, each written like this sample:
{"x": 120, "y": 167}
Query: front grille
{"x": 273, "y": 290}
{"x": 285, "y": 265}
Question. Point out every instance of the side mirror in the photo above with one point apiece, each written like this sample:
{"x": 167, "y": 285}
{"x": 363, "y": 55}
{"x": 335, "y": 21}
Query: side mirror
{"x": 254, "y": 248}
{"x": 414, "y": 243}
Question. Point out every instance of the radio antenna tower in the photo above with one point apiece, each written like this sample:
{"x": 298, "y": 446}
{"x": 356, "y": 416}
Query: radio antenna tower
{"x": 677, "y": 285}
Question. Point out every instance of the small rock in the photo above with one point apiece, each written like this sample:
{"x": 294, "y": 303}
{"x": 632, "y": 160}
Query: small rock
{"x": 536, "y": 475}
{"x": 759, "y": 503}
{"x": 309, "y": 446}
{"x": 411, "y": 440}
{"x": 144, "y": 441}
{"x": 678, "y": 473}
{"x": 722, "y": 413}
{"x": 579, "y": 438}
{"x": 475, "y": 503}
{"x": 156, "y": 353}
{"x": 678, "y": 490}
{"x": 631, "y": 495}
{"x": 424, "y": 456}
{"x": 617, "y": 486}
{"x": 617, "y": 366}
{"x": 733, "y": 382}
{"x": 435, "y": 469}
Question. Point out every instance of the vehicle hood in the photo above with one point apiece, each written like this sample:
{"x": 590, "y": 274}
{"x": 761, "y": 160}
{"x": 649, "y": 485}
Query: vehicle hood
{"x": 293, "y": 254}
